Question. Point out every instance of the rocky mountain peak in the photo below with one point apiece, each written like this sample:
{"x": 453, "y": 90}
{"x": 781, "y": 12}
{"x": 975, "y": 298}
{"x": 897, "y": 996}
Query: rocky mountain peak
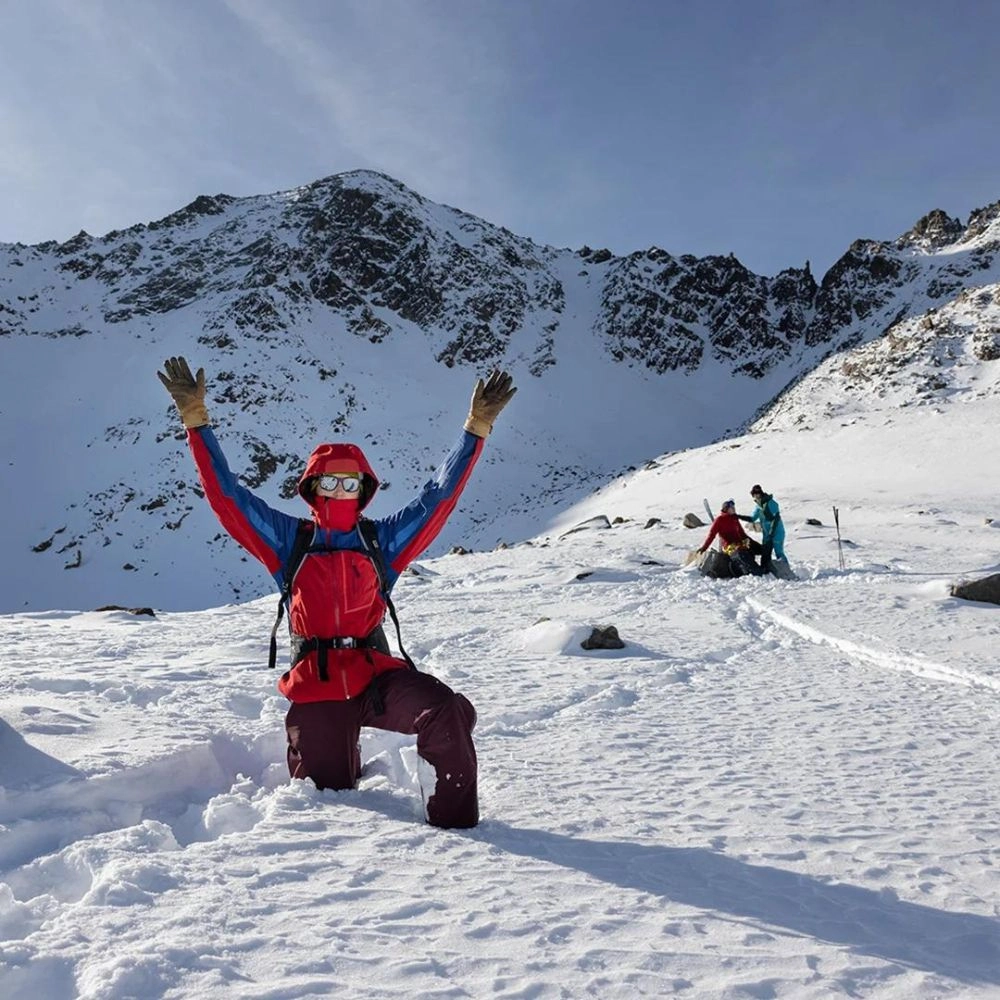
{"x": 933, "y": 231}
{"x": 982, "y": 220}
{"x": 203, "y": 205}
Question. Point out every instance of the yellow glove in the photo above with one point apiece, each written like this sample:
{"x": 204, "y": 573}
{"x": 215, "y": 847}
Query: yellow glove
{"x": 187, "y": 391}
{"x": 488, "y": 399}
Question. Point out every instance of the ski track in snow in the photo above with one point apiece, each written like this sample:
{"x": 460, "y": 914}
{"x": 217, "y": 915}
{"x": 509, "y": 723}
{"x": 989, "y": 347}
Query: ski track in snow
{"x": 893, "y": 659}
{"x": 735, "y": 805}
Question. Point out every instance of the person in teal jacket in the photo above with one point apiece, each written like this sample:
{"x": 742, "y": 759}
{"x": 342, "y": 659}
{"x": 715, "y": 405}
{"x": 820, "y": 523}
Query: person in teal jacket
{"x": 768, "y": 515}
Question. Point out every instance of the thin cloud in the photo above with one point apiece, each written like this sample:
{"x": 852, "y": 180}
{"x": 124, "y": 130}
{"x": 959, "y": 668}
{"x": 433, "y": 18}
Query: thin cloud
{"x": 417, "y": 101}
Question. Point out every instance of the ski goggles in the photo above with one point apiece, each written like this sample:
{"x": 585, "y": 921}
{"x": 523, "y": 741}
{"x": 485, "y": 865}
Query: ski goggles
{"x": 349, "y": 482}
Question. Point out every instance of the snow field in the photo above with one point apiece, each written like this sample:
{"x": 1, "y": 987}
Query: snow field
{"x": 775, "y": 790}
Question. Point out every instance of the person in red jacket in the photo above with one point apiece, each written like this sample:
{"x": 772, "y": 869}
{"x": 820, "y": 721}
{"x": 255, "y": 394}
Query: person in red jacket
{"x": 735, "y": 542}
{"x": 342, "y": 675}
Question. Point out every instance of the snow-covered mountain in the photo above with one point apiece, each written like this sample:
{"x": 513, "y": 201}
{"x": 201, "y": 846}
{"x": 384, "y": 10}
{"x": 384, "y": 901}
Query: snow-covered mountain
{"x": 941, "y": 344}
{"x": 354, "y": 308}
{"x": 774, "y": 789}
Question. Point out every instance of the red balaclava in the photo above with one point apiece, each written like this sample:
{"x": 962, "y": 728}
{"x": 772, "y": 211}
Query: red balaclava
{"x": 337, "y": 513}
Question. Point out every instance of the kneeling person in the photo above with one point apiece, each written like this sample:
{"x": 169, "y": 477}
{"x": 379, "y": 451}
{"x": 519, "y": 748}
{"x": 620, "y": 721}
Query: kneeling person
{"x": 342, "y": 676}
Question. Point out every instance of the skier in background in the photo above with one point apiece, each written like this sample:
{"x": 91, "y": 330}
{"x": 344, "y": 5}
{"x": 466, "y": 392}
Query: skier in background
{"x": 342, "y": 676}
{"x": 768, "y": 515}
{"x": 734, "y": 541}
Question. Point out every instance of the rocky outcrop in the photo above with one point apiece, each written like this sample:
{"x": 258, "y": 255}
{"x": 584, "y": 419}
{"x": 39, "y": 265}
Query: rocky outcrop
{"x": 935, "y": 230}
{"x": 986, "y": 590}
{"x": 603, "y": 637}
{"x": 672, "y": 314}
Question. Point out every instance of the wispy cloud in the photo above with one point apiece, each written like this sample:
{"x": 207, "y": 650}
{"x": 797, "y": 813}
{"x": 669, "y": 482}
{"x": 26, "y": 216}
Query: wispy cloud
{"x": 400, "y": 89}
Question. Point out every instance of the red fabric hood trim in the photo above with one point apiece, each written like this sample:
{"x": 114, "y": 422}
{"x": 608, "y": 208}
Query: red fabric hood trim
{"x": 337, "y": 457}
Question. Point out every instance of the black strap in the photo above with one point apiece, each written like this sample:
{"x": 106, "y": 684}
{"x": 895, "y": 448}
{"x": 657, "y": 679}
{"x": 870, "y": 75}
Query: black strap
{"x": 303, "y": 539}
{"x": 303, "y": 646}
{"x": 369, "y": 535}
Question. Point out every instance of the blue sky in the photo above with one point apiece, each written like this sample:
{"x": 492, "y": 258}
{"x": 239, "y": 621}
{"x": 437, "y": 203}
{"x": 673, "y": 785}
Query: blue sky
{"x": 779, "y": 131}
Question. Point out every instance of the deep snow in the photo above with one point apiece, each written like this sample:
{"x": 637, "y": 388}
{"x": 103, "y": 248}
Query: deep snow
{"x": 775, "y": 790}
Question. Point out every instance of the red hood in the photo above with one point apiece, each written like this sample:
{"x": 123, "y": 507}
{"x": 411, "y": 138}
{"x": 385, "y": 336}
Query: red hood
{"x": 334, "y": 458}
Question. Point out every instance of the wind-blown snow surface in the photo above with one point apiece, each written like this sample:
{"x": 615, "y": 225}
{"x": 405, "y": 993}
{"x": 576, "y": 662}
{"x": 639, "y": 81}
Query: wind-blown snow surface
{"x": 775, "y": 790}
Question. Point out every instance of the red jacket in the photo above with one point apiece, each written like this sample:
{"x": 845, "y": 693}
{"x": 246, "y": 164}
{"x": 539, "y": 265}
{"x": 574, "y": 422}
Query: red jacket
{"x": 729, "y": 530}
{"x": 336, "y": 590}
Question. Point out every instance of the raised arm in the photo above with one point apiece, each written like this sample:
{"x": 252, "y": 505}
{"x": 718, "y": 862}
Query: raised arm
{"x": 711, "y": 536}
{"x": 266, "y": 533}
{"x": 407, "y": 533}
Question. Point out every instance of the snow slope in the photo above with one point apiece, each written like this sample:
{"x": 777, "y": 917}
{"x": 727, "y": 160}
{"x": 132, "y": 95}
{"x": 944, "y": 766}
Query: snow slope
{"x": 775, "y": 790}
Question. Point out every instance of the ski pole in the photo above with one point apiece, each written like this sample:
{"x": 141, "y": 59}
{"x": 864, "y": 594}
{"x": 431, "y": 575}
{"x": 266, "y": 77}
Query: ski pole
{"x": 840, "y": 549}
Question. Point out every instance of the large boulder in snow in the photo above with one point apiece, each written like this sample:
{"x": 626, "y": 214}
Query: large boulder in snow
{"x": 987, "y": 589}
{"x": 603, "y": 638}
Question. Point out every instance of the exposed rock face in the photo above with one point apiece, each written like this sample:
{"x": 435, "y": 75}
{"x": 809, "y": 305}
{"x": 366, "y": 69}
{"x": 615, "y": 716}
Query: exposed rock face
{"x": 935, "y": 230}
{"x": 672, "y": 314}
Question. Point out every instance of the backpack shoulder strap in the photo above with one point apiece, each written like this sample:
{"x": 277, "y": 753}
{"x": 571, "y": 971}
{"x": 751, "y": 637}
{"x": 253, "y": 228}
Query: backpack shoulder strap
{"x": 303, "y": 539}
{"x": 373, "y": 548}
{"x": 369, "y": 537}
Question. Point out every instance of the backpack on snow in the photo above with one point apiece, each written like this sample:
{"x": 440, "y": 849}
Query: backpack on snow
{"x": 716, "y": 565}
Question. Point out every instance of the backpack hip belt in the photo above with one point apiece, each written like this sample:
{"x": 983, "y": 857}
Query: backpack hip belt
{"x": 303, "y": 645}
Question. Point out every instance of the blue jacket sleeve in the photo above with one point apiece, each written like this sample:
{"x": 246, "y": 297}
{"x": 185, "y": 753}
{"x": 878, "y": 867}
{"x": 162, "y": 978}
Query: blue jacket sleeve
{"x": 407, "y": 533}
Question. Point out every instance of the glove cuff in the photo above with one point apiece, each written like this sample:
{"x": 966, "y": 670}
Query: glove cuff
{"x": 478, "y": 426}
{"x": 194, "y": 414}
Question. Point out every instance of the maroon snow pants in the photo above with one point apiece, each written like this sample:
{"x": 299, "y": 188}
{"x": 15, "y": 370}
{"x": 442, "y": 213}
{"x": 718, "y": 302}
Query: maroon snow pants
{"x": 323, "y": 739}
